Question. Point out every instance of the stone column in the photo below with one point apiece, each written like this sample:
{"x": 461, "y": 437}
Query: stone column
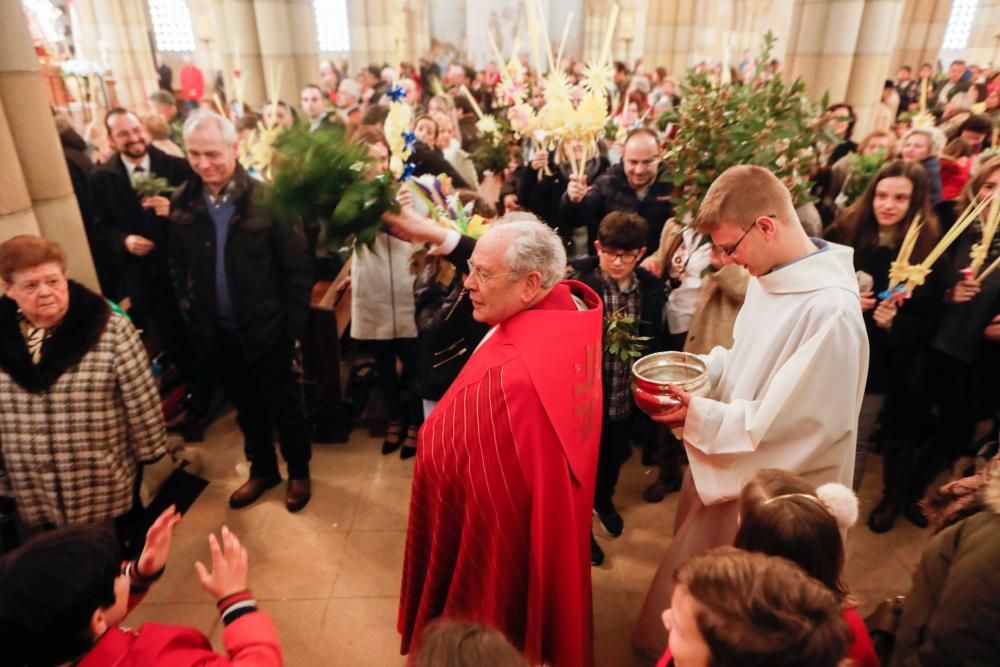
{"x": 36, "y": 195}
{"x": 237, "y": 20}
{"x": 274, "y": 35}
{"x": 921, "y": 33}
{"x": 118, "y": 30}
{"x": 821, "y": 46}
{"x": 873, "y": 53}
{"x": 305, "y": 43}
{"x": 670, "y": 28}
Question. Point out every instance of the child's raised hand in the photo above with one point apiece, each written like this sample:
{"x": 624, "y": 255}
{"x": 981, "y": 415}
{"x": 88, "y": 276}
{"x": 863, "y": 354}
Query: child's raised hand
{"x": 158, "y": 537}
{"x": 229, "y": 566}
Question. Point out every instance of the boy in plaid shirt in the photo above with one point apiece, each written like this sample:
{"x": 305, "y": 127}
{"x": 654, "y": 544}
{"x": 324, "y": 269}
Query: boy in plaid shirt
{"x": 627, "y": 290}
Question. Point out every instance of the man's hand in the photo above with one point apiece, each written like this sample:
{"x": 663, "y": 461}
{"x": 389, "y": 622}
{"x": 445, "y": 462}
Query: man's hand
{"x": 868, "y": 301}
{"x": 229, "y": 566}
{"x": 577, "y": 188}
{"x": 653, "y": 266}
{"x": 677, "y": 415}
{"x": 138, "y": 245}
{"x": 159, "y": 204}
{"x": 154, "y": 554}
{"x": 885, "y": 313}
{"x": 411, "y": 226}
{"x": 540, "y": 160}
{"x": 992, "y": 331}
{"x": 965, "y": 290}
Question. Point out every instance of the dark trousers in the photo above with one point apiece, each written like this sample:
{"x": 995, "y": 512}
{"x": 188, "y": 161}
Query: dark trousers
{"x": 154, "y": 302}
{"x": 391, "y": 386}
{"x": 616, "y": 445}
{"x": 267, "y": 398}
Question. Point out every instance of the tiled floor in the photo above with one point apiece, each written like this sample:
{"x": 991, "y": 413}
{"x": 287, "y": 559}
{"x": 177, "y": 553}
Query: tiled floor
{"x": 330, "y": 575}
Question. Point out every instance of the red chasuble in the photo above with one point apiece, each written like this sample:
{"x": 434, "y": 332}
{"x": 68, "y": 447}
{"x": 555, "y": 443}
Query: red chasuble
{"x": 503, "y": 489}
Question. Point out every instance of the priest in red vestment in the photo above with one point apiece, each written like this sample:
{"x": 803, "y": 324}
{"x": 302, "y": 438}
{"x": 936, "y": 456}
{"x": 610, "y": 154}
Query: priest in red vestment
{"x": 500, "y": 511}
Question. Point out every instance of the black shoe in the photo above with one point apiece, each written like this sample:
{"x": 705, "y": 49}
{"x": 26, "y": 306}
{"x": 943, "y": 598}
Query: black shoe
{"x": 393, "y": 438}
{"x": 409, "y": 449}
{"x": 251, "y": 490}
{"x": 915, "y": 515}
{"x": 596, "y": 553}
{"x": 884, "y": 515}
{"x": 609, "y": 517}
{"x": 659, "y": 489}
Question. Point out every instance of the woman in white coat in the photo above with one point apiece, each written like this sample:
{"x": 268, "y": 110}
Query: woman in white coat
{"x": 383, "y": 316}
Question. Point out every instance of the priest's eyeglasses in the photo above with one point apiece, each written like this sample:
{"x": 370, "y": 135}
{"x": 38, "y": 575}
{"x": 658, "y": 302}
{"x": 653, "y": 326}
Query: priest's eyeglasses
{"x": 728, "y": 250}
{"x": 484, "y": 277}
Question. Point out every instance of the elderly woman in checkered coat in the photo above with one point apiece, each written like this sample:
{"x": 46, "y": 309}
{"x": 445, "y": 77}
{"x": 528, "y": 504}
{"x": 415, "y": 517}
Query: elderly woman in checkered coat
{"x": 79, "y": 411}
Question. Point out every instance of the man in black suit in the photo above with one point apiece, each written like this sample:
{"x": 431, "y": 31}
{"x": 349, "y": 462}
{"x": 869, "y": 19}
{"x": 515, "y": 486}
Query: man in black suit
{"x": 131, "y": 234}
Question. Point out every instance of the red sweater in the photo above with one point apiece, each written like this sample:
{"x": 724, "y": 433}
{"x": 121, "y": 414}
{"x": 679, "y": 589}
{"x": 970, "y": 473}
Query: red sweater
{"x": 251, "y": 641}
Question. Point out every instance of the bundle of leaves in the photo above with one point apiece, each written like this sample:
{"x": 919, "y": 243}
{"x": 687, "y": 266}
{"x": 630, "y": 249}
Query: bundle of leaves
{"x": 766, "y": 123}
{"x": 321, "y": 177}
{"x": 493, "y": 152}
{"x": 861, "y": 169}
{"x": 621, "y": 336}
{"x": 148, "y": 184}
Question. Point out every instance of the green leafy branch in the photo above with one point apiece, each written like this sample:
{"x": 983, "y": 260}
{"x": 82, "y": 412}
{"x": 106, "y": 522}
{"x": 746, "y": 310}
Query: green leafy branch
{"x": 148, "y": 184}
{"x": 621, "y": 336}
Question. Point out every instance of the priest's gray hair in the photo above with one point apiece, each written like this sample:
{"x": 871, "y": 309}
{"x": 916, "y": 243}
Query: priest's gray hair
{"x": 203, "y": 117}
{"x": 534, "y": 247}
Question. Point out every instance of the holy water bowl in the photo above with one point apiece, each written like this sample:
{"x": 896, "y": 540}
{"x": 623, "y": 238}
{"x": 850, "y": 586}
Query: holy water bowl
{"x": 651, "y": 375}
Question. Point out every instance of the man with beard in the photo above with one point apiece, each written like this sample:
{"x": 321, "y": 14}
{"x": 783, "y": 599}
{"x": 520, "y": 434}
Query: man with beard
{"x": 130, "y": 236}
{"x": 632, "y": 187}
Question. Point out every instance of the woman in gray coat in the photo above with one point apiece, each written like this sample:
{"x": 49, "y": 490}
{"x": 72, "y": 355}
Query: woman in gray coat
{"x": 79, "y": 411}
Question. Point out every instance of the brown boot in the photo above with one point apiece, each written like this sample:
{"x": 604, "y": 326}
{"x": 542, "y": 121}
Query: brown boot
{"x": 251, "y": 490}
{"x": 297, "y": 494}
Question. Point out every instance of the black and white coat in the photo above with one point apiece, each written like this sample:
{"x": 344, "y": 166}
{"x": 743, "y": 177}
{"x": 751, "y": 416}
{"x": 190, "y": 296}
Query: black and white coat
{"x": 75, "y": 427}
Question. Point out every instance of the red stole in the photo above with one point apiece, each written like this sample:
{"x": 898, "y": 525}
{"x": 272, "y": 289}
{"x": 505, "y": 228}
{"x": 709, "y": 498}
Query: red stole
{"x": 499, "y": 528}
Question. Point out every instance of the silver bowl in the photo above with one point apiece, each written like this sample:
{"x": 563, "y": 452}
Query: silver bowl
{"x": 652, "y": 374}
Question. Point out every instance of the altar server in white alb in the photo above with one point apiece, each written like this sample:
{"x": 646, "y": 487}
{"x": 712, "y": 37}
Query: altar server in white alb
{"x": 788, "y": 393}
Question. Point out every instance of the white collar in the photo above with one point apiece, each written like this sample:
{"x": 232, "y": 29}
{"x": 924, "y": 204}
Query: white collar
{"x": 130, "y": 166}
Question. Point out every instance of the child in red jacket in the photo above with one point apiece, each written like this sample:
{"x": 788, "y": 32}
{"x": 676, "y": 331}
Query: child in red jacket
{"x": 64, "y": 593}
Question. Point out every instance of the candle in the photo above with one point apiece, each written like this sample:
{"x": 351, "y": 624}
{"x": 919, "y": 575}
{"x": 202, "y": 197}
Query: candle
{"x": 923, "y": 95}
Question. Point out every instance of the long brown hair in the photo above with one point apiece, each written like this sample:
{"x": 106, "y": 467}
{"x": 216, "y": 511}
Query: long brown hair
{"x": 858, "y": 227}
{"x": 796, "y": 526}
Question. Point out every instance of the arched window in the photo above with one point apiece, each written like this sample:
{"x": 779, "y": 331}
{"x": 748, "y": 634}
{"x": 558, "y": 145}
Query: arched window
{"x": 172, "y": 25}
{"x": 332, "y": 30}
{"x": 956, "y": 35}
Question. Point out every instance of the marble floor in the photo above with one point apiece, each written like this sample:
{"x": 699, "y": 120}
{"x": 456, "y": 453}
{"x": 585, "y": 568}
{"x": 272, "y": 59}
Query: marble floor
{"x": 330, "y": 575}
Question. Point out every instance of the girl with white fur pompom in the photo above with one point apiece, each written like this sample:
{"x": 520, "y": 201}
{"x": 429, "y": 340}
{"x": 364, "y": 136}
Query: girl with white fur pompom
{"x": 781, "y": 514}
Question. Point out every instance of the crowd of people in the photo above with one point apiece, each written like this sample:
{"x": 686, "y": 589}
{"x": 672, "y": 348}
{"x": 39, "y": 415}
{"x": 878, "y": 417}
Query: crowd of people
{"x": 503, "y": 371}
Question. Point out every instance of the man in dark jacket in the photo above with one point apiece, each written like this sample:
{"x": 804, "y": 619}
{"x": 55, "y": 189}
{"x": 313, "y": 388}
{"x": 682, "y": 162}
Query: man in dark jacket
{"x": 129, "y": 243}
{"x": 633, "y": 186}
{"x": 244, "y": 281}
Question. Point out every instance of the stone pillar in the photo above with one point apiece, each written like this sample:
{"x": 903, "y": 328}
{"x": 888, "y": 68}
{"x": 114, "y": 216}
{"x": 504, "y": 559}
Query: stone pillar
{"x": 984, "y": 41}
{"x": 274, "y": 35}
{"x": 119, "y": 31}
{"x": 238, "y": 22}
{"x": 670, "y": 28}
{"x": 821, "y": 47}
{"x": 305, "y": 43}
{"x": 921, "y": 33}
{"x": 873, "y": 53}
{"x": 36, "y": 195}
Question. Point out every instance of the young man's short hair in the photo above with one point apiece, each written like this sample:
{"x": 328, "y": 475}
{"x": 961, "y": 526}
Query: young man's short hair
{"x": 980, "y": 124}
{"x": 742, "y": 194}
{"x": 623, "y": 230}
{"x": 49, "y": 590}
